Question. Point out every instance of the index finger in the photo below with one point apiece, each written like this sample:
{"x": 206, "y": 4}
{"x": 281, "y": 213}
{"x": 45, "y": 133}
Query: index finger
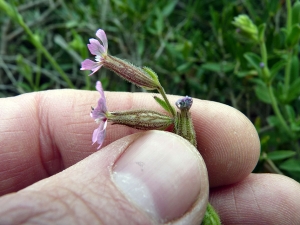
{"x": 43, "y": 133}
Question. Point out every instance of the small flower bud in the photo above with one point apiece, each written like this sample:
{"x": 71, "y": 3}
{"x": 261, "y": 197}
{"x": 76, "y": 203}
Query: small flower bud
{"x": 261, "y": 65}
{"x": 184, "y": 103}
{"x": 183, "y": 120}
{"x": 141, "y": 119}
{"x": 245, "y": 27}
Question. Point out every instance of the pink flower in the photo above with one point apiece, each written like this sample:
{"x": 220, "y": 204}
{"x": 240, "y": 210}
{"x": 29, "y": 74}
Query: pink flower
{"x": 97, "y": 49}
{"x": 99, "y": 115}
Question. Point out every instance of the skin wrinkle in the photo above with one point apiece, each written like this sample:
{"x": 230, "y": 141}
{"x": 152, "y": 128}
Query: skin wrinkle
{"x": 234, "y": 201}
{"x": 86, "y": 203}
{"x": 49, "y": 153}
{"x": 257, "y": 204}
{"x": 35, "y": 204}
{"x": 108, "y": 194}
{"x": 272, "y": 200}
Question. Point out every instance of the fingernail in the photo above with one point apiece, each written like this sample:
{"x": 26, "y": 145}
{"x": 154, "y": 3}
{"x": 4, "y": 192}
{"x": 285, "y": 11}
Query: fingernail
{"x": 162, "y": 174}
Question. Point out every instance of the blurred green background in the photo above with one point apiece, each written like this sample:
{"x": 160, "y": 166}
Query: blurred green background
{"x": 192, "y": 45}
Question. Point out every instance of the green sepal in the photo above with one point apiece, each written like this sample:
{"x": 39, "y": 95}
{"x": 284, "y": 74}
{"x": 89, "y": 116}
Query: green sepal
{"x": 211, "y": 217}
{"x": 151, "y": 73}
{"x": 162, "y": 103}
{"x": 184, "y": 126}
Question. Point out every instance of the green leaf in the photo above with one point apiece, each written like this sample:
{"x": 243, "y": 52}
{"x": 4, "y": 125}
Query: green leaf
{"x": 281, "y": 154}
{"x": 290, "y": 113}
{"x": 162, "y": 103}
{"x": 273, "y": 121}
{"x": 254, "y": 60}
{"x": 169, "y": 8}
{"x": 261, "y": 32}
{"x": 293, "y": 36}
{"x": 159, "y": 22}
{"x": 295, "y": 126}
{"x": 262, "y": 93}
{"x": 294, "y": 68}
{"x": 294, "y": 90}
{"x": 292, "y": 165}
{"x": 184, "y": 67}
{"x": 45, "y": 86}
{"x": 218, "y": 67}
{"x": 296, "y": 13}
{"x": 24, "y": 69}
{"x": 277, "y": 67}
{"x": 23, "y": 87}
{"x": 249, "y": 73}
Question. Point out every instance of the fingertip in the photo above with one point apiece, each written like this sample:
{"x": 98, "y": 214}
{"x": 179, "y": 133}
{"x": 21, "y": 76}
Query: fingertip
{"x": 164, "y": 176}
{"x": 227, "y": 140}
{"x": 259, "y": 199}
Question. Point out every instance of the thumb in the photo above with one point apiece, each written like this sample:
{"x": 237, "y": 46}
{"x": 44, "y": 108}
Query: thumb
{"x": 151, "y": 177}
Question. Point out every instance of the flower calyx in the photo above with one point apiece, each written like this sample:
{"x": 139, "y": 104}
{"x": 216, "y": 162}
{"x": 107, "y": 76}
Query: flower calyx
{"x": 141, "y": 119}
{"x": 183, "y": 120}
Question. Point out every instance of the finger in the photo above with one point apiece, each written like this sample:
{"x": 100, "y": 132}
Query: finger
{"x": 259, "y": 199}
{"x": 135, "y": 180}
{"x": 226, "y": 139}
{"x": 43, "y": 133}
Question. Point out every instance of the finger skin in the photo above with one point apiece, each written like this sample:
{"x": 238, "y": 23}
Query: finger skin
{"x": 86, "y": 193}
{"x": 45, "y": 132}
{"x": 258, "y": 199}
{"x": 81, "y": 194}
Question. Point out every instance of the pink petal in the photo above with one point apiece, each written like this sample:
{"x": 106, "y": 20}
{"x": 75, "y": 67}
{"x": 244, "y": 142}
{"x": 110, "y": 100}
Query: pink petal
{"x": 90, "y": 65}
{"x": 100, "y": 89}
{"x": 101, "y": 107}
{"x": 102, "y": 36}
{"x": 95, "y": 47}
{"x": 99, "y": 134}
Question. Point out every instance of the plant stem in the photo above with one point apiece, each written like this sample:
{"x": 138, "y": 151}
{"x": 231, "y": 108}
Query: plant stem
{"x": 289, "y": 16}
{"x": 264, "y": 54}
{"x": 264, "y": 57}
{"x": 287, "y": 74}
{"x": 163, "y": 94}
{"x": 277, "y": 111}
{"x": 272, "y": 167}
{"x": 13, "y": 13}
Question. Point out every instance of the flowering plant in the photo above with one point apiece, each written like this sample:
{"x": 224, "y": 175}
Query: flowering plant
{"x": 140, "y": 119}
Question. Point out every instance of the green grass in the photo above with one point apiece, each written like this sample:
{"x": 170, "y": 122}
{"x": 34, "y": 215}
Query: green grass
{"x": 192, "y": 45}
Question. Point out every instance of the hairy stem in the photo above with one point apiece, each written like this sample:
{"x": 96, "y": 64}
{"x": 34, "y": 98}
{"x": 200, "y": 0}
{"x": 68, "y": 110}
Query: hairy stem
{"x": 163, "y": 94}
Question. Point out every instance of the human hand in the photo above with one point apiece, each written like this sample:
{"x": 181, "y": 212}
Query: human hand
{"x": 44, "y": 133}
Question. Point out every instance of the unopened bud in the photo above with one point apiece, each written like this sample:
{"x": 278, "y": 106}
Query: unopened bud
{"x": 246, "y": 27}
